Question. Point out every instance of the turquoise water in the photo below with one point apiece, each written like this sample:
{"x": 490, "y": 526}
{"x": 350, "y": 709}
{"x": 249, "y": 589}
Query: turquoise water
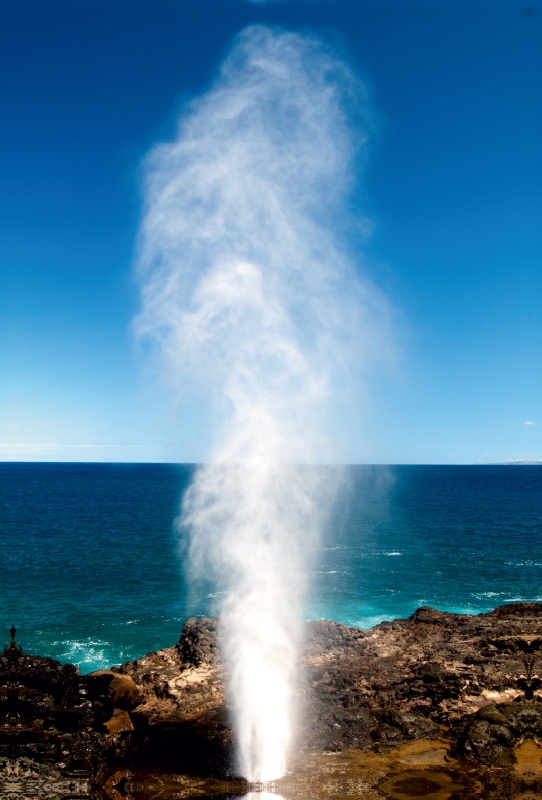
{"x": 92, "y": 565}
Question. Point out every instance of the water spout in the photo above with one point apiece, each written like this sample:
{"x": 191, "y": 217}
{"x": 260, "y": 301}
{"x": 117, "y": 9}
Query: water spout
{"x": 252, "y": 300}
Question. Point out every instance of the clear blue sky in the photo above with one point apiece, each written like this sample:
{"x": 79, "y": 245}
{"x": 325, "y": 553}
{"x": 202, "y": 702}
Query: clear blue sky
{"x": 453, "y": 187}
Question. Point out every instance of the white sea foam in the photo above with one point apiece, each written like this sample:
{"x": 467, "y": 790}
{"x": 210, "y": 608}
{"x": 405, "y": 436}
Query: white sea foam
{"x": 250, "y": 296}
{"x": 85, "y": 653}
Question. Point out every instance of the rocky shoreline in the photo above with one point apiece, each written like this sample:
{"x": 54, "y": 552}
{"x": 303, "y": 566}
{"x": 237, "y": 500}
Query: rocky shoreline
{"x": 438, "y": 706}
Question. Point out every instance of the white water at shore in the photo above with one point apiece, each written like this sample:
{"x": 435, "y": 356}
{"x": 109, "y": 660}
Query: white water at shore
{"x": 252, "y": 300}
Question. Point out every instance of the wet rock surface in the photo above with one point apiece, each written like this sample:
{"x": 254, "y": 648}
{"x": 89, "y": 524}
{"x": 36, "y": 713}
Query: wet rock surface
{"x": 474, "y": 676}
{"x": 183, "y": 721}
{"x": 468, "y": 684}
{"x": 441, "y": 706}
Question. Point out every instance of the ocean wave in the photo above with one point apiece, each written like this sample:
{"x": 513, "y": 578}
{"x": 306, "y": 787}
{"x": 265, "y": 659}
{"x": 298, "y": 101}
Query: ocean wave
{"x": 85, "y": 653}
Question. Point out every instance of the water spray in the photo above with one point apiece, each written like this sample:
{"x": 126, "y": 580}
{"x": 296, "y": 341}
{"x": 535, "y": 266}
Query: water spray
{"x": 253, "y": 301}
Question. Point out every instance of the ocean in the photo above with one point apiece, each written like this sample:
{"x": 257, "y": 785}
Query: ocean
{"x": 92, "y": 564}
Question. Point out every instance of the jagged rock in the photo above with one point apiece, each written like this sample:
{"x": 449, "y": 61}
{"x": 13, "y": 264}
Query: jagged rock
{"x": 120, "y": 721}
{"x": 198, "y": 643}
{"x": 52, "y": 723}
{"x": 413, "y": 726}
{"x": 388, "y": 734}
{"x": 394, "y": 683}
{"x": 126, "y": 694}
{"x": 183, "y": 720}
{"x": 474, "y": 680}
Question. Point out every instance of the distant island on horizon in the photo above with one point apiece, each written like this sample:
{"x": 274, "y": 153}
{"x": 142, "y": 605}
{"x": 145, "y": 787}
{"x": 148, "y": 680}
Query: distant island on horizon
{"x": 516, "y": 464}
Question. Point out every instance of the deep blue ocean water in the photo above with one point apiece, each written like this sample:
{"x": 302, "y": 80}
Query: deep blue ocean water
{"x": 92, "y": 565}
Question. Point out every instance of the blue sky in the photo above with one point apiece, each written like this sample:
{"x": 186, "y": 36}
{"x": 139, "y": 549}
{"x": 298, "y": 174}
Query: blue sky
{"x": 452, "y": 186}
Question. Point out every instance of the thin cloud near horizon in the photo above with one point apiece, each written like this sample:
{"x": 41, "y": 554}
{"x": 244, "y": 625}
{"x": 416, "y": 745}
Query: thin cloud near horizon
{"x": 40, "y": 444}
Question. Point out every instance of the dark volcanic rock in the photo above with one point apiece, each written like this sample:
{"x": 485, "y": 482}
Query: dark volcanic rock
{"x": 53, "y": 721}
{"x": 472, "y": 680}
{"x": 415, "y": 678}
{"x": 126, "y": 694}
{"x": 494, "y": 729}
{"x": 183, "y": 721}
{"x": 198, "y": 642}
{"x": 476, "y": 675}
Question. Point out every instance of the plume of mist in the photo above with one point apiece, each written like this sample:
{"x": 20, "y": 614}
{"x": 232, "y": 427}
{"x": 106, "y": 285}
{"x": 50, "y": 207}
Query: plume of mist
{"x": 250, "y": 297}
